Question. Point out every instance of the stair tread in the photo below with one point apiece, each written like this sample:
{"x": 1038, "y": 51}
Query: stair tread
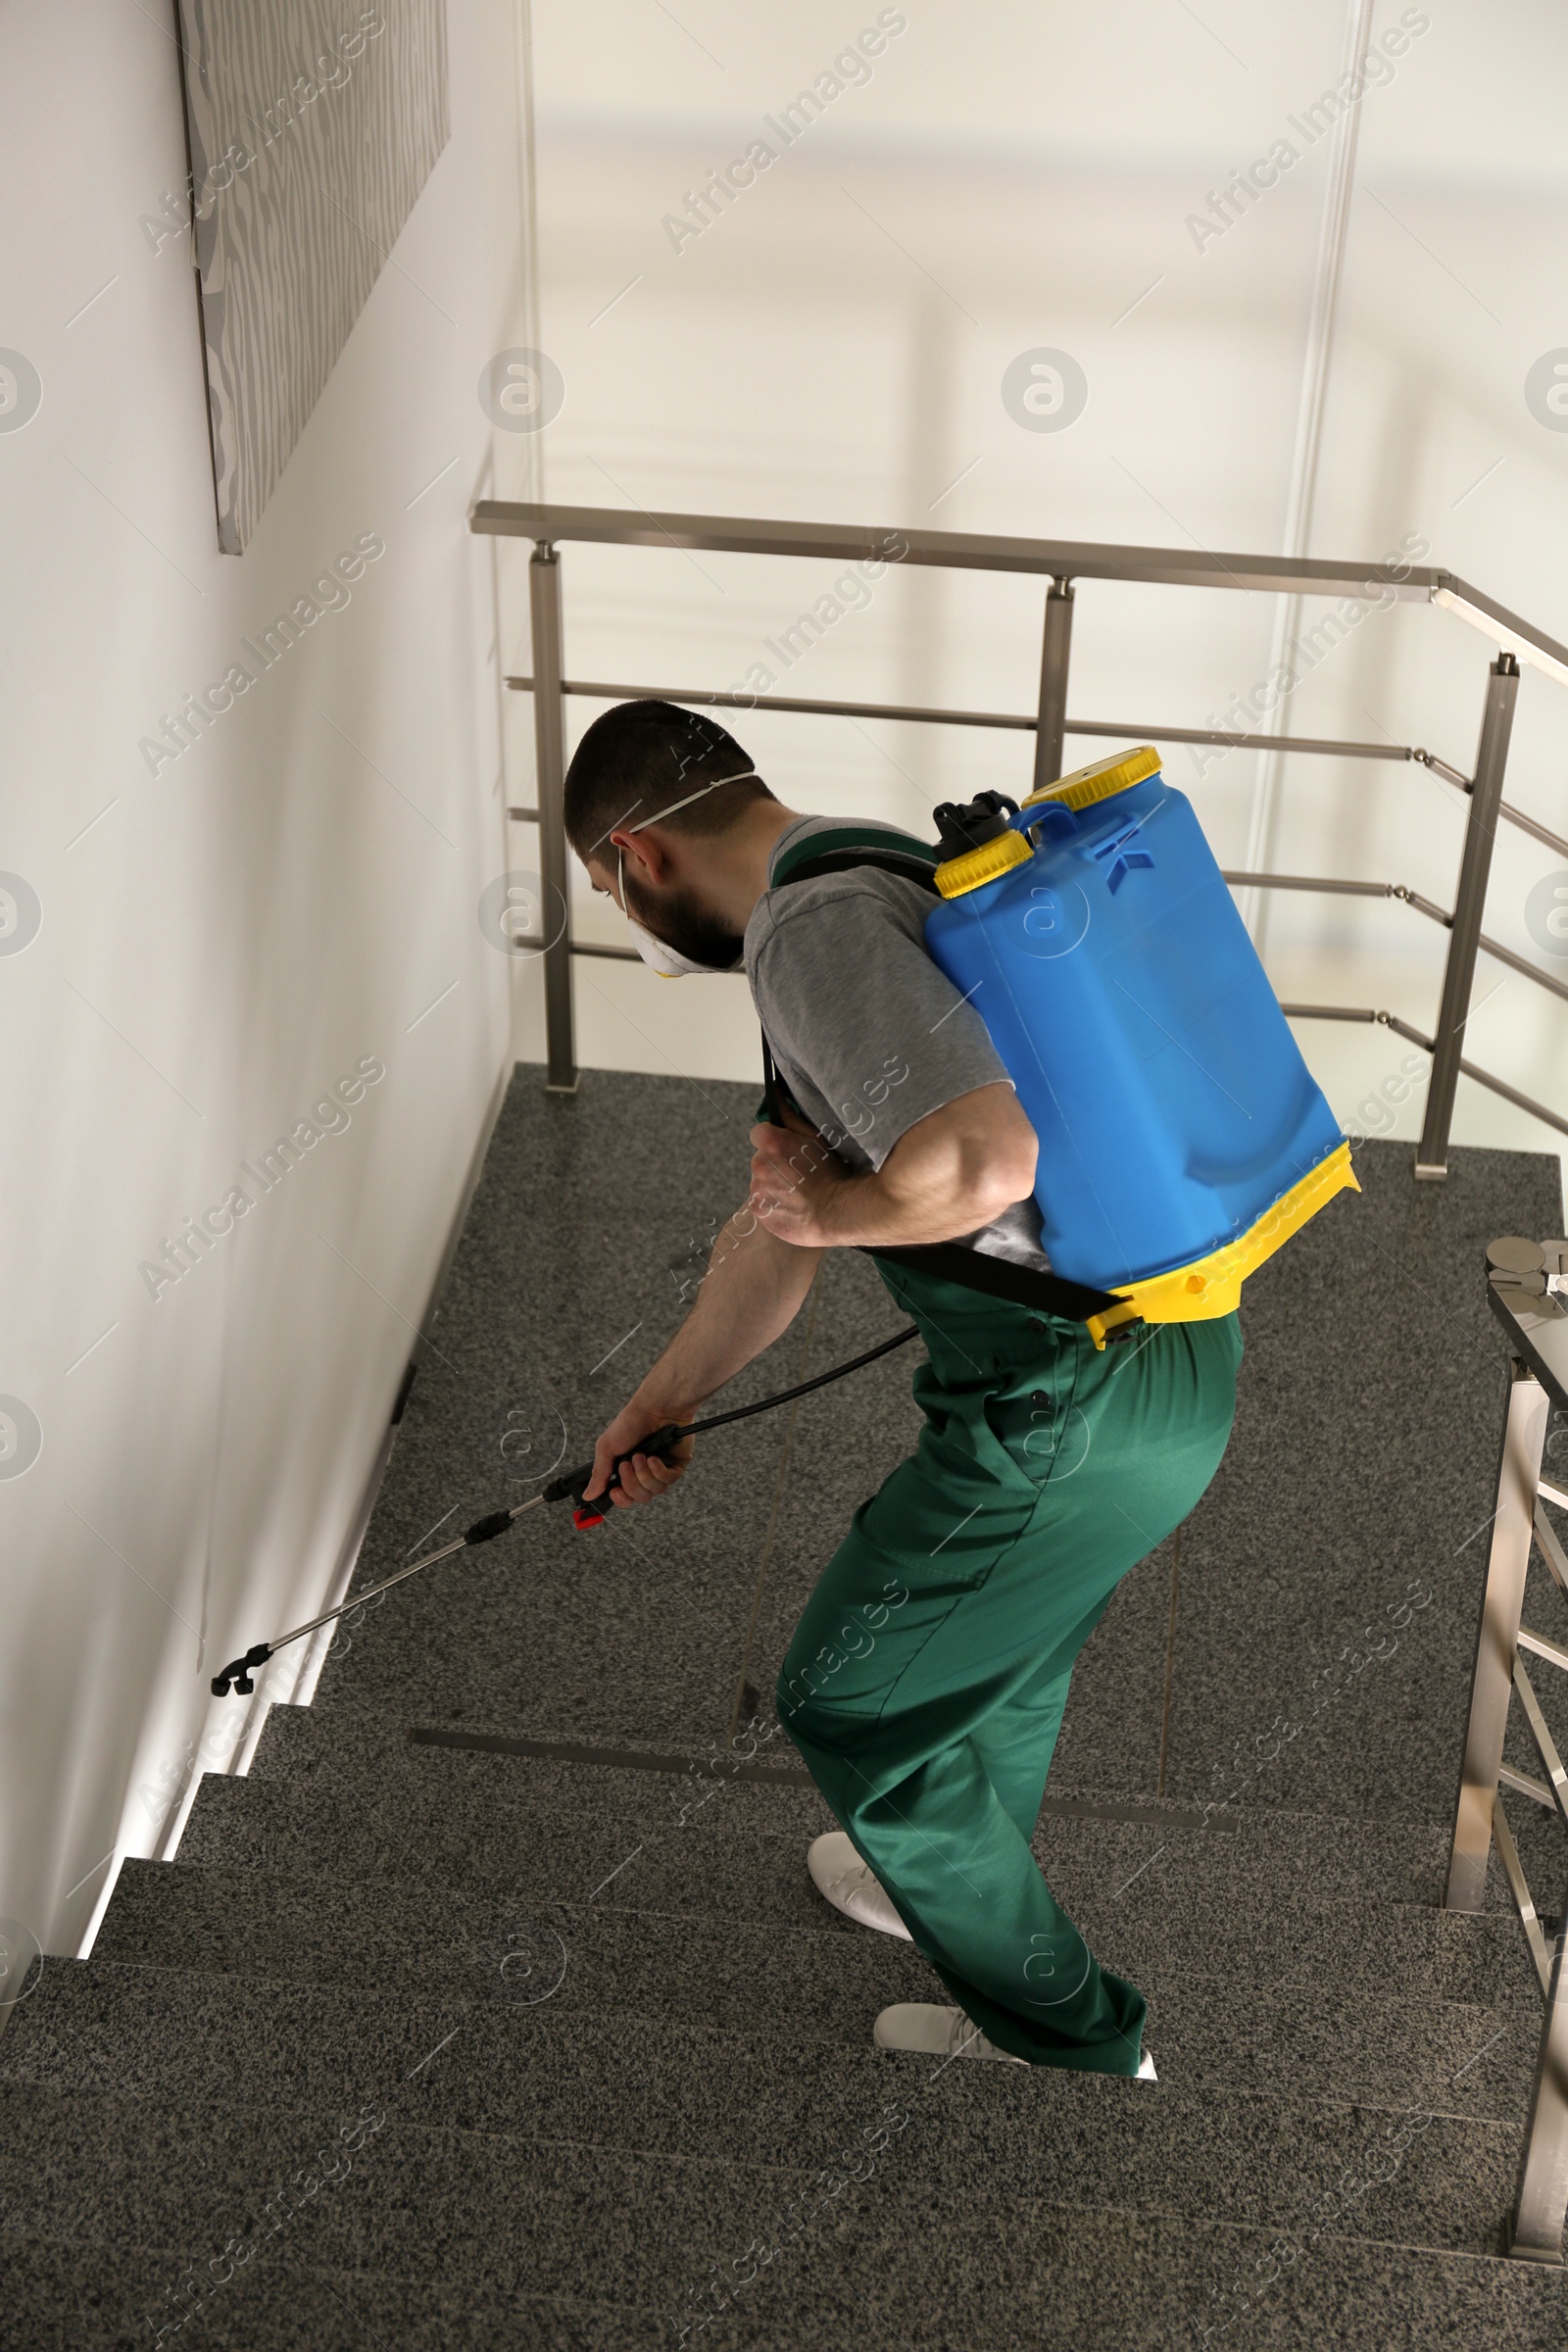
{"x": 453, "y": 1818}
{"x": 225, "y": 1921}
{"x": 362, "y": 1745}
{"x": 1095, "y": 2281}
{"x": 429, "y": 2197}
{"x": 826, "y": 1977}
{"x": 1259, "y": 2036}
{"x": 167, "y": 2054}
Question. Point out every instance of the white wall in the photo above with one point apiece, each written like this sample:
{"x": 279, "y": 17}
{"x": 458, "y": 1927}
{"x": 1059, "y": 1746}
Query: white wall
{"x": 1014, "y": 177}
{"x": 223, "y": 939}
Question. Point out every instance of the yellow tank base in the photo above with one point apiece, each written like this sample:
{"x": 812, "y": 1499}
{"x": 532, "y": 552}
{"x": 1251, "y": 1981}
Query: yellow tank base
{"x": 1212, "y": 1286}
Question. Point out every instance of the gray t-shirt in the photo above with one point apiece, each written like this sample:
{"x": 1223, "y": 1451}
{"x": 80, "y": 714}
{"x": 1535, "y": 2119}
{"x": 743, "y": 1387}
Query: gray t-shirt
{"x": 869, "y": 1035}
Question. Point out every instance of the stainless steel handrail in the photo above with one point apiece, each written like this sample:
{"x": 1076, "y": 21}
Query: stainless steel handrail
{"x": 1532, "y": 1318}
{"x": 1409, "y": 898}
{"x": 603, "y": 689}
{"x": 962, "y": 551}
{"x": 1350, "y": 890}
{"x": 1060, "y": 559}
{"x": 1531, "y": 824}
{"x": 1417, "y": 1036}
{"x": 1121, "y": 730}
{"x": 599, "y": 690}
{"x": 1062, "y": 563}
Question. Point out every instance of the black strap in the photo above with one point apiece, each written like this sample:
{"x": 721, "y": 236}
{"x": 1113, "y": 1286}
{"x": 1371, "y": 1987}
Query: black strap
{"x": 1044, "y": 1293}
{"x": 892, "y": 854}
{"x": 998, "y": 1278}
{"x": 775, "y": 1094}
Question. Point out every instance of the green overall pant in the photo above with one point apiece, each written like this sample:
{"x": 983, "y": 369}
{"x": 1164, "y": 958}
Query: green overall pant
{"x": 926, "y": 1680}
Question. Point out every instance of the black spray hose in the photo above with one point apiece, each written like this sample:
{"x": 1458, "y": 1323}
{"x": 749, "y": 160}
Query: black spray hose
{"x": 568, "y": 1488}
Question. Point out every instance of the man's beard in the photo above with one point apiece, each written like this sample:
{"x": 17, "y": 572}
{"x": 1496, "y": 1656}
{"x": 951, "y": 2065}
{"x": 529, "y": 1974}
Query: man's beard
{"x": 680, "y": 922}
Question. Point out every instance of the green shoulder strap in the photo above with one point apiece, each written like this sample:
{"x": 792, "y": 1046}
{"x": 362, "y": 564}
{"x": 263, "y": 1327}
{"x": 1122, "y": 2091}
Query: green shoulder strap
{"x": 845, "y": 847}
{"x": 835, "y": 852}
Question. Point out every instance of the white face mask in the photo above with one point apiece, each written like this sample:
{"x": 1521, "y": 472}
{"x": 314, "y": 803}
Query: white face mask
{"x": 667, "y": 961}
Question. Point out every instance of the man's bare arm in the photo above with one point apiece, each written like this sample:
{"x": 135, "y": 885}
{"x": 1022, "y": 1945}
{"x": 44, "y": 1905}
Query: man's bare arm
{"x": 949, "y": 1174}
{"x": 752, "y": 1292}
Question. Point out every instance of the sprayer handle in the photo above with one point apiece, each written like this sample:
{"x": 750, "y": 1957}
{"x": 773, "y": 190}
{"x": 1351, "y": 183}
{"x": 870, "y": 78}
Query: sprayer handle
{"x": 571, "y": 1483}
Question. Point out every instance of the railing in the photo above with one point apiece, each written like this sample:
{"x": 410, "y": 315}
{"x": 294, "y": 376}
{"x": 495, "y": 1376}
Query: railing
{"x": 1528, "y": 1288}
{"x": 1063, "y": 563}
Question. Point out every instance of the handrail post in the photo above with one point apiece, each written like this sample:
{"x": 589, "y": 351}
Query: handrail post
{"x": 1469, "y": 906}
{"x": 549, "y": 737}
{"x": 1054, "y": 656}
{"x": 1524, "y": 1438}
{"x": 1541, "y": 2204}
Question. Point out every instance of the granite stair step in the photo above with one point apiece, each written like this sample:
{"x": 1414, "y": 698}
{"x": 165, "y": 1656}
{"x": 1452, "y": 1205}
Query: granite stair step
{"x": 431, "y": 2200}
{"x": 1254, "y": 2102}
{"x": 1249, "y": 1885}
{"x": 361, "y": 1756}
{"x": 1061, "y": 2280}
{"x": 1355, "y": 2029}
{"x": 508, "y": 1945}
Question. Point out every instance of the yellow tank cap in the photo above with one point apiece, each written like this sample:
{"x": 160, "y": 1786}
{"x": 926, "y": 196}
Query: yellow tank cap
{"x": 1100, "y": 778}
{"x": 976, "y": 867}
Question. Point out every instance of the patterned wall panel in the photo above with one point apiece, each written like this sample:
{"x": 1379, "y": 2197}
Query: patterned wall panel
{"x": 313, "y": 125}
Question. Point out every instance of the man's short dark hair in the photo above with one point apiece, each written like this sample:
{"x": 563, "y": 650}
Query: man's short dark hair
{"x": 640, "y": 759}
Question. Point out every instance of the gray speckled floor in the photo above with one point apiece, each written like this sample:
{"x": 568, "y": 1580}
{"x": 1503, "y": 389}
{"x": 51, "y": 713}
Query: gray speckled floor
{"x": 615, "y": 2049}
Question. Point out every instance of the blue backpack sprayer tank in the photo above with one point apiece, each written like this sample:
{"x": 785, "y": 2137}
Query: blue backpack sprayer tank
{"x": 1182, "y": 1137}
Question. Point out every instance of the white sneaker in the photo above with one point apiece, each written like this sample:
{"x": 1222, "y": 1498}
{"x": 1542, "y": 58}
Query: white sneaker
{"x": 845, "y": 1880}
{"x": 935, "y": 2032}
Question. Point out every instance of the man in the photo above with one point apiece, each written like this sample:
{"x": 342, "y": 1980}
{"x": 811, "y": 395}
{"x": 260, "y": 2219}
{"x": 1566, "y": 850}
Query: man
{"x": 926, "y": 1681}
